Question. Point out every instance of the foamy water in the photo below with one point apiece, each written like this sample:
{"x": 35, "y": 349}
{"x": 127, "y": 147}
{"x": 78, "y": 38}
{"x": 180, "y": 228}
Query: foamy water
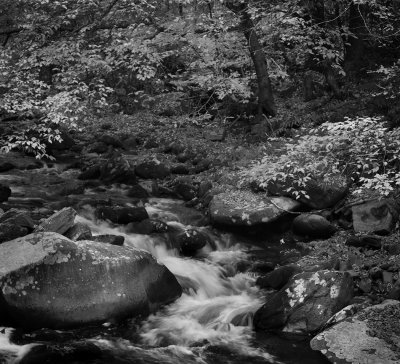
{"x": 216, "y": 308}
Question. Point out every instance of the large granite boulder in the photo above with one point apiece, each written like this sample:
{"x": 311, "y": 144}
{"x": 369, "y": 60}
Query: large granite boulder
{"x": 306, "y": 302}
{"x": 370, "y": 336}
{"x": 47, "y": 280}
{"x": 244, "y": 208}
{"x": 379, "y": 216}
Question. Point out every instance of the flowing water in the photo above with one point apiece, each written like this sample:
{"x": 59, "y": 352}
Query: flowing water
{"x": 210, "y": 323}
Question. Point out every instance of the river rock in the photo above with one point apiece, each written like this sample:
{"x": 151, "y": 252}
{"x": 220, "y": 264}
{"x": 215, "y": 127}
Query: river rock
{"x": 365, "y": 241}
{"x": 18, "y": 218}
{"x": 186, "y": 191}
{"x": 189, "y": 241}
{"x": 147, "y": 227}
{"x": 138, "y": 191}
{"x": 370, "y": 336}
{"x": 6, "y": 166}
{"x": 59, "y": 222}
{"x": 306, "y": 302}
{"x": 92, "y": 172}
{"x": 10, "y": 231}
{"x": 47, "y": 280}
{"x": 98, "y": 147}
{"x": 278, "y": 277}
{"x": 121, "y": 215}
{"x": 314, "y": 226}
{"x": 71, "y": 187}
{"x": 180, "y": 169}
{"x": 19, "y": 161}
{"x": 5, "y": 193}
{"x": 379, "y": 216}
{"x": 243, "y": 208}
{"x": 109, "y": 239}
{"x": 152, "y": 170}
{"x": 78, "y": 231}
{"x": 111, "y": 140}
{"x": 322, "y": 192}
{"x": 204, "y": 188}
{"x": 118, "y": 169}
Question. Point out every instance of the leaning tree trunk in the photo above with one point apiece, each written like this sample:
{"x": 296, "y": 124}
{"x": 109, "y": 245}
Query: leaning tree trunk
{"x": 266, "y": 103}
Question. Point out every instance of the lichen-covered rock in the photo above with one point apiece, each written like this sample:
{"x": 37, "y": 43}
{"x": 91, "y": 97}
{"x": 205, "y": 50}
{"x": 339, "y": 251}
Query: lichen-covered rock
{"x": 370, "y": 336}
{"x": 306, "y": 302}
{"x": 47, "y": 280}
{"x": 59, "y": 222}
{"x": 243, "y": 208}
{"x": 378, "y": 216}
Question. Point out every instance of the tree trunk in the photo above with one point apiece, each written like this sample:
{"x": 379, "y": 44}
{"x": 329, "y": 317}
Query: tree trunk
{"x": 355, "y": 47}
{"x": 266, "y": 103}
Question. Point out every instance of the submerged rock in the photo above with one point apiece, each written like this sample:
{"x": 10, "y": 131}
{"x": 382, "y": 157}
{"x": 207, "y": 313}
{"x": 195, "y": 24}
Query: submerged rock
{"x": 306, "y": 302}
{"x": 243, "y": 208}
{"x": 47, "y": 280}
{"x": 370, "y": 336}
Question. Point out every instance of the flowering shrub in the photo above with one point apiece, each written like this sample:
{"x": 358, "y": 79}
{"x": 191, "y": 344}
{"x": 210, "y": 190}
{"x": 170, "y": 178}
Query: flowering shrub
{"x": 363, "y": 150}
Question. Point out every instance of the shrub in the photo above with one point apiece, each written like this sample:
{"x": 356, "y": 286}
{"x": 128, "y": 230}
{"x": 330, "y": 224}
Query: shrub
{"x": 363, "y": 150}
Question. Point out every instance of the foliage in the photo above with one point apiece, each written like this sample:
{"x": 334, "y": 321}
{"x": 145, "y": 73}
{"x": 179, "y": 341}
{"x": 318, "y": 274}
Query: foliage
{"x": 67, "y": 62}
{"x": 362, "y": 149}
{"x": 387, "y": 99}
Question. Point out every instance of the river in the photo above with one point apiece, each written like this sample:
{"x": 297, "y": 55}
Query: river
{"x": 210, "y": 323}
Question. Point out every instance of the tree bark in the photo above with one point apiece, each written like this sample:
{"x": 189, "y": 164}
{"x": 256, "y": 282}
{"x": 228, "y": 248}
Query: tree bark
{"x": 266, "y": 102}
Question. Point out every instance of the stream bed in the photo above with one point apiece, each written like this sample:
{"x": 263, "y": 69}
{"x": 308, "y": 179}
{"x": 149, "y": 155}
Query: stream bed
{"x": 210, "y": 323}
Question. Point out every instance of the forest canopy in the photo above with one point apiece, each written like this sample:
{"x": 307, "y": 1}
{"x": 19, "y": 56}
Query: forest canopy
{"x": 65, "y": 62}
